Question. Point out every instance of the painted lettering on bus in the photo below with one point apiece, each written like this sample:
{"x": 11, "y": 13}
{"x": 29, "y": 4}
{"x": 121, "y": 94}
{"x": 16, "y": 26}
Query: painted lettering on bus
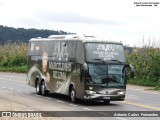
{"x": 60, "y": 66}
{"x": 60, "y": 75}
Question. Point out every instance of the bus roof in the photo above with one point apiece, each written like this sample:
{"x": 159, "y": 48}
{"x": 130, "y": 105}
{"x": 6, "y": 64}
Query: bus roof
{"x": 76, "y": 37}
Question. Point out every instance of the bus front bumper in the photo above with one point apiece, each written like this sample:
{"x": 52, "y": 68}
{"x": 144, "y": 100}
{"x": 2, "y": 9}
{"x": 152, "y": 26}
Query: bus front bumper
{"x": 116, "y": 97}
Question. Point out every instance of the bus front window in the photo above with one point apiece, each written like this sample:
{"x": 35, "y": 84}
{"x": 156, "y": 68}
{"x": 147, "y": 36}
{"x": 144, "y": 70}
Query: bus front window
{"x": 106, "y": 75}
{"x": 115, "y": 73}
{"x": 96, "y": 72}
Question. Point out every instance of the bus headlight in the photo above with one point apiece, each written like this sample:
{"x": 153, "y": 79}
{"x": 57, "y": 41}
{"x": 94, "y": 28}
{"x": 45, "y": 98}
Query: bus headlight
{"x": 90, "y": 92}
{"x": 120, "y": 93}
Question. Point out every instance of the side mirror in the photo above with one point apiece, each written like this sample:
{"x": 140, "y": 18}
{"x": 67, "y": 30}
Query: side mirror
{"x": 131, "y": 68}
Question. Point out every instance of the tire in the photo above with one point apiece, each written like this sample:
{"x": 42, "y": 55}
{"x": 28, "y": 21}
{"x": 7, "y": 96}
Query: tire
{"x": 38, "y": 89}
{"x": 44, "y": 92}
{"x": 106, "y": 101}
{"x": 73, "y": 95}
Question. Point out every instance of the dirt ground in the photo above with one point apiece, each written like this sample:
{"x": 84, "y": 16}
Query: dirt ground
{"x": 9, "y": 105}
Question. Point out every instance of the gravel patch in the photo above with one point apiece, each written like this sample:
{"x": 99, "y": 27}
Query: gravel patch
{"x": 9, "y": 105}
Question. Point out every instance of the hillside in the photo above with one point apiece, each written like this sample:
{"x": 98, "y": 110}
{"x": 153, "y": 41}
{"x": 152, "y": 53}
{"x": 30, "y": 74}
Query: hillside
{"x": 10, "y": 34}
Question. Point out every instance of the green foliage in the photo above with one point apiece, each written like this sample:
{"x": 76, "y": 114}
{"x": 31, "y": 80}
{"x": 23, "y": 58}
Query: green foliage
{"x": 142, "y": 82}
{"x": 18, "y": 69}
{"x": 9, "y": 34}
{"x": 157, "y": 88}
{"x": 146, "y": 62}
{"x": 13, "y": 55}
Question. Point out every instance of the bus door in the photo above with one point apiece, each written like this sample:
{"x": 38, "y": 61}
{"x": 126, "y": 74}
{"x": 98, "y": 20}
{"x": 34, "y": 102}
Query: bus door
{"x": 80, "y": 81}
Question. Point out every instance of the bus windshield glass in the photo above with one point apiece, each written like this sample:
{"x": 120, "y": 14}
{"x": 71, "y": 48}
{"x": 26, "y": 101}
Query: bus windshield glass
{"x": 106, "y": 75}
{"x": 104, "y": 52}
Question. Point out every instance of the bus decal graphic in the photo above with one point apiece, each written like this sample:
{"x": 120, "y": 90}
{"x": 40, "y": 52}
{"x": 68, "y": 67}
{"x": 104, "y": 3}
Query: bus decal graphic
{"x": 60, "y": 51}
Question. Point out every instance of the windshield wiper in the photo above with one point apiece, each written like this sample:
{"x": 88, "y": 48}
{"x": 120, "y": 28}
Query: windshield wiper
{"x": 108, "y": 80}
{"x": 99, "y": 60}
{"x": 115, "y": 61}
{"x": 107, "y": 60}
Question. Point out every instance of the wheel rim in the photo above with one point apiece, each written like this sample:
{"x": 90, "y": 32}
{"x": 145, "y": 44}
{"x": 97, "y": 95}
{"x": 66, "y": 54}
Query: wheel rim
{"x": 43, "y": 87}
{"x": 37, "y": 87}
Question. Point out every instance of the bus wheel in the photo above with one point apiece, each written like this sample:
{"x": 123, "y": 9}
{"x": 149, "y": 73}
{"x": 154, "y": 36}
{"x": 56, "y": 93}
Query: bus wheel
{"x": 106, "y": 101}
{"x": 38, "y": 89}
{"x": 43, "y": 88}
{"x": 73, "y": 95}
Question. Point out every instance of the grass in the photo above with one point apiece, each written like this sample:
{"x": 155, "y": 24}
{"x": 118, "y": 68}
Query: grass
{"x": 144, "y": 82}
{"x": 18, "y": 69}
{"x": 157, "y": 88}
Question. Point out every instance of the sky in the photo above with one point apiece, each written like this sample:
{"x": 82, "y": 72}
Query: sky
{"x": 117, "y": 20}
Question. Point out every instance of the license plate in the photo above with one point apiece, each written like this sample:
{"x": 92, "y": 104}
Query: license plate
{"x": 106, "y": 98}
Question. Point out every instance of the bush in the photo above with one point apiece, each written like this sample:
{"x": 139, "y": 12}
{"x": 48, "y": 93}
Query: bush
{"x": 12, "y": 55}
{"x": 146, "y": 61}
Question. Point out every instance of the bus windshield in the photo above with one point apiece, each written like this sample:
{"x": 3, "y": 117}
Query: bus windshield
{"x": 104, "y": 51}
{"x": 106, "y": 75}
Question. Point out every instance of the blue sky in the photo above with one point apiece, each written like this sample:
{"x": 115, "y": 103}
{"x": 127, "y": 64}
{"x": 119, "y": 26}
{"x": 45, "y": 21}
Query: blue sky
{"x": 118, "y": 20}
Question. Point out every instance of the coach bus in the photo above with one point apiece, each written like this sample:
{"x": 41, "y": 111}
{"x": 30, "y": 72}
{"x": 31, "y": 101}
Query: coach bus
{"x": 82, "y": 67}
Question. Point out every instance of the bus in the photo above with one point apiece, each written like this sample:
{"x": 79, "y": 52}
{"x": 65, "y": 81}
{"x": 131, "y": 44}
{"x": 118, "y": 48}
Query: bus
{"x": 82, "y": 67}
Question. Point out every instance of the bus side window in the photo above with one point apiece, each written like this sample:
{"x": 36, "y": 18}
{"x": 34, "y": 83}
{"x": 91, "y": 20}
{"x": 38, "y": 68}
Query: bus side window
{"x": 31, "y": 48}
